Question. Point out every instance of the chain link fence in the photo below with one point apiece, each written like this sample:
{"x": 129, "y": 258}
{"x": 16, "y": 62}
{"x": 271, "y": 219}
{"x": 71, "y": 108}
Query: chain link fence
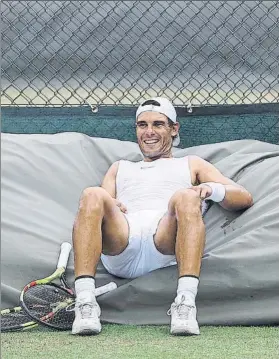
{"x": 64, "y": 53}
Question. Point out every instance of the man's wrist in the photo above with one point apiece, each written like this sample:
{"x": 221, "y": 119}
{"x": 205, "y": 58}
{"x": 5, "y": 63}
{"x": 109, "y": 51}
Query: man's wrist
{"x": 218, "y": 191}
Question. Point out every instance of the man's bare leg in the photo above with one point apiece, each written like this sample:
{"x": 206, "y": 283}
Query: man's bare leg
{"x": 182, "y": 232}
{"x": 190, "y": 238}
{"x": 87, "y": 238}
{"x": 99, "y": 225}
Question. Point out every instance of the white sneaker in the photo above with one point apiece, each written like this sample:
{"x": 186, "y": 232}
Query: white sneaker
{"x": 183, "y": 317}
{"x": 87, "y": 318}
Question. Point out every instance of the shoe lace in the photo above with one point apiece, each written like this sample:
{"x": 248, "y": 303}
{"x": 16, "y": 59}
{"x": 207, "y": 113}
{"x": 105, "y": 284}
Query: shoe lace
{"x": 182, "y": 308}
{"x": 86, "y": 309}
{"x": 71, "y": 307}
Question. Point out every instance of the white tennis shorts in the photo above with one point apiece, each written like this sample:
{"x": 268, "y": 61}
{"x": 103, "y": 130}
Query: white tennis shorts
{"x": 140, "y": 256}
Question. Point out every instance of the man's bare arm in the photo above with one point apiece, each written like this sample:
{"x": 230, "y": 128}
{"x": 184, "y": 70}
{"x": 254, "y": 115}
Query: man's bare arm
{"x": 236, "y": 198}
{"x": 109, "y": 184}
{"x": 109, "y": 181}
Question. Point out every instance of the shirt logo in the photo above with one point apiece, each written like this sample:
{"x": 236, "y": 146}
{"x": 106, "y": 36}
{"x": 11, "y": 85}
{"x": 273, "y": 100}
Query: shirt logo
{"x": 145, "y": 168}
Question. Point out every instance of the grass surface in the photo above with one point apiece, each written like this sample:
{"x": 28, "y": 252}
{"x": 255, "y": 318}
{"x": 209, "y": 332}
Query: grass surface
{"x": 129, "y": 342}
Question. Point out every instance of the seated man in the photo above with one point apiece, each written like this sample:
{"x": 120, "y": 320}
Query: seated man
{"x": 148, "y": 215}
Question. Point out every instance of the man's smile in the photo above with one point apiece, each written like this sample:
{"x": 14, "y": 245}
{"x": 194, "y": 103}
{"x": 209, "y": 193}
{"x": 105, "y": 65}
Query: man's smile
{"x": 150, "y": 142}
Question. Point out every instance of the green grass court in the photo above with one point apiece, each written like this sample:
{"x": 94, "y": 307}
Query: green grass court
{"x": 119, "y": 342}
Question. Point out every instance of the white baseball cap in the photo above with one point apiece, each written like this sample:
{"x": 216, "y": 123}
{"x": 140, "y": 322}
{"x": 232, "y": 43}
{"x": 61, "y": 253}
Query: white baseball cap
{"x": 164, "y": 107}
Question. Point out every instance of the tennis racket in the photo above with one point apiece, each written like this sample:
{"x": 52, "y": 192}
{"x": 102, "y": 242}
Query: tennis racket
{"x": 15, "y": 319}
{"x": 18, "y": 319}
{"x": 46, "y": 302}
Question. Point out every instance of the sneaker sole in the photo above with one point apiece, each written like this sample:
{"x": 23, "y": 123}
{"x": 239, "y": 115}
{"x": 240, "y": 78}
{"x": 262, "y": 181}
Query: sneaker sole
{"x": 185, "y": 332}
{"x": 87, "y": 332}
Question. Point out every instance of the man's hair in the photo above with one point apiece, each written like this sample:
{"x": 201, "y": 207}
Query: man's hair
{"x": 171, "y": 125}
{"x": 151, "y": 102}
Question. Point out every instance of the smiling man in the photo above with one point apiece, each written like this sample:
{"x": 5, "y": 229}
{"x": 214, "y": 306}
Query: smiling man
{"x": 149, "y": 215}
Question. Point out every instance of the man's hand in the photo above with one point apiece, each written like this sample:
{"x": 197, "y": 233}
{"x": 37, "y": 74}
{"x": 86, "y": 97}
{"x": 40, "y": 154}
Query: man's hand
{"x": 121, "y": 206}
{"x": 203, "y": 190}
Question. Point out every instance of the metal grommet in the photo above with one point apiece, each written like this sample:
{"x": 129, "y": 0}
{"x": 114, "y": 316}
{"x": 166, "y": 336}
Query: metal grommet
{"x": 94, "y": 108}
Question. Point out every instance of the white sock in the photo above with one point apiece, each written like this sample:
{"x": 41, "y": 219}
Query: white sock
{"x": 85, "y": 289}
{"x": 187, "y": 286}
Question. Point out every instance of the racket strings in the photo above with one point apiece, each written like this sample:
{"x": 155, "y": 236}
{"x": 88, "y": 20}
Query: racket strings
{"x": 14, "y": 320}
{"x": 50, "y": 304}
{"x": 11, "y": 319}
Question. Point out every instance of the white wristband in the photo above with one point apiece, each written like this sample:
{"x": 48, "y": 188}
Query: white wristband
{"x": 218, "y": 191}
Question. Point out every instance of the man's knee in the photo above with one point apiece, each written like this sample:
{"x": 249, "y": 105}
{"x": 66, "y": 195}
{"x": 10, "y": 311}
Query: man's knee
{"x": 92, "y": 198}
{"x": 186, "y": 201}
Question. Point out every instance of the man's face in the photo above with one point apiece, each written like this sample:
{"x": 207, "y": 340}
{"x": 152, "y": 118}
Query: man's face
{"x": 154, "y": 135}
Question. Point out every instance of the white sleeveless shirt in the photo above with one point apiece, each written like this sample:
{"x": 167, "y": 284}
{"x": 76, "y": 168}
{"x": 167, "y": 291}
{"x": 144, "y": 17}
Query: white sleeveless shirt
{"x": 150, "y": 185}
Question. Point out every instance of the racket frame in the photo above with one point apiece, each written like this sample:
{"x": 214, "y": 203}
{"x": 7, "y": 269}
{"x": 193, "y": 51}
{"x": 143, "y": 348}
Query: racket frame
{"x": 65, "y": 250}
{"x": 18, "y": 327}
{"x": 59, "y": 273}
{"x": 44, "y": 319}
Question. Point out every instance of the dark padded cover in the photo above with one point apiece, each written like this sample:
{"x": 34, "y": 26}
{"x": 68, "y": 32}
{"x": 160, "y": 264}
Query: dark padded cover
{"x": 43, "y": 177}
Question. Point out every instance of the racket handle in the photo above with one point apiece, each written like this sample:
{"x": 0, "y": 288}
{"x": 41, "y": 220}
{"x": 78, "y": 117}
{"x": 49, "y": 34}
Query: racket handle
{"x": 64, "y": 254}
{"x": 105, "y": 288}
